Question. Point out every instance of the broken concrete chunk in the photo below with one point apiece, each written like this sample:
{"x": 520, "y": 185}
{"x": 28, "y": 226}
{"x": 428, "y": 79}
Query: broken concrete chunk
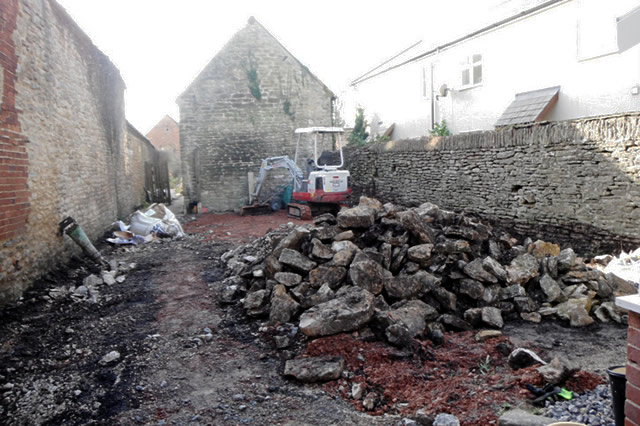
{"x": 296, "y": 261}
{"x": 492, "y": 317}
{"x": 345, "y": 251}
{"x": 534, "y": 317}
{"x": 357, "y": 390}
{"x": 551, "y": 289}
{"x": 522, "y": 269}
{"x": 484, "y": 335}
{"x": 324, "y": 294}
{"x": 351, "y": 309}
{"x": 371, "y": 203}
{"x": 447, "y": 299}
{"x": 357, "y": 217}
{"x": 557, "y": 371}
{"x": 609, "y": 311}
{"x": 292, "y": 241}
{"x": 452, "y": 322}
{"x": 327, "y": 274}
{"x": 256, "y": 300}
{"x": 288, "y": 279}
{"x": 416, "y": 226}
{"x": 283, "y": 307}
{"x": 476, "y": 270}
{"x": 110, "y": 358}
{"x": 420, "y": 253}
{"x": 369, "y": 275}
{"x": 566, "y": 259}
{"x": 494, "y": 268}
{"x": 92, "y": 281}
{"x": 522, "y": 358}
{"x": 575, "y": 311}
{"x": 343, "y": 236}
{"x": 472, "y": 288}
{"x": 320, "y": 251}
{"x": 315, "y": 369}
{"x": 542, "y": 249}
{"x": 406, "y": 321}
{"x": 510, "y": 292}
{"x": 444, "y": 419}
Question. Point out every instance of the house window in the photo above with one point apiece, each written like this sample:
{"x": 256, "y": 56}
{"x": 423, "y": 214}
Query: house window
{"x": 472, "y": 71}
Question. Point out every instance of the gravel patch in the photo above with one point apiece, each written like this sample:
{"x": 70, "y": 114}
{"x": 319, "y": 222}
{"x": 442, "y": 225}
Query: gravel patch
{"x": 591, "y": 408}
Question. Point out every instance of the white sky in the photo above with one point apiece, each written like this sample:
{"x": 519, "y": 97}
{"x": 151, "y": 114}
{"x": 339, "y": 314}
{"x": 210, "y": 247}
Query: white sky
{"x": 161, "y": 45}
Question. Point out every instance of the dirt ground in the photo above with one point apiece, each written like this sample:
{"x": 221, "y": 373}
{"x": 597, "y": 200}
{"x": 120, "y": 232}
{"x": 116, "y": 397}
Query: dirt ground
{"x": 186, "y": 359}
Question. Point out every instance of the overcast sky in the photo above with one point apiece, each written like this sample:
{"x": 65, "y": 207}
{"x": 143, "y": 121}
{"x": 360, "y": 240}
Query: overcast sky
{"x": 161, "y": 45}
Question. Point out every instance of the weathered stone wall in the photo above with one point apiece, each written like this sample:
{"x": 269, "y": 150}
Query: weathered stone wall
{"x": 165, "y": 136}
{"x": 575, "y": 182}
{"x": 65, "y": 104}
{"x": 139, "y": 154}
{"x": 243, "y": 107}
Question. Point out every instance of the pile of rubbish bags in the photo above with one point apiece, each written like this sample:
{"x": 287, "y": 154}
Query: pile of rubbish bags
{"x": 157, "y": 221}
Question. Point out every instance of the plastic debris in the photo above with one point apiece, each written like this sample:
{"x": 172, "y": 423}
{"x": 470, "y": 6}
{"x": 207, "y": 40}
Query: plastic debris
{"x": 157, "y": 221}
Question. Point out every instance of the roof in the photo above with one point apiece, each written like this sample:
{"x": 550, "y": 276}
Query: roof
{"x": 254, "y": 21}
{"x": 137, "y": 133}
{"x": 529, "y": 106}
{"x": 530, "y": 11}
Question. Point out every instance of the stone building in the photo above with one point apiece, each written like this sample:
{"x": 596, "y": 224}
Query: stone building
{"x": 63, "y": 144}
{"x": 165, "y": 136}
{"x": 243, "y": 107}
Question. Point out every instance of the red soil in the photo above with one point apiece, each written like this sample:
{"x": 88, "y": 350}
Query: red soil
{"x": 235, "y": 228}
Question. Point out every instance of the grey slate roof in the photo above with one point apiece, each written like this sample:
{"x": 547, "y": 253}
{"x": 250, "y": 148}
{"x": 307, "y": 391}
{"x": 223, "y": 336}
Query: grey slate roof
{"x": 528, "y": 106}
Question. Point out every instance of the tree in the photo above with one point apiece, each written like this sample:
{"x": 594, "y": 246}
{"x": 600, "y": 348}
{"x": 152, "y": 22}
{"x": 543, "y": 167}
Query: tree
{"x": 359, "y": 135}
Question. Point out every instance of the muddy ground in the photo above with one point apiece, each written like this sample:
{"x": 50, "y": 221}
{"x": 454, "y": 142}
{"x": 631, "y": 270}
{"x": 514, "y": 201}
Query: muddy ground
{"x": 186, "y": 359}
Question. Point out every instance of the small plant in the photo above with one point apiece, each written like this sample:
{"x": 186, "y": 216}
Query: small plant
{"x": 254, "y": 84}
{"x": 286, "y": 107}
{"x": 359, "y": 135}
{"x": 485, "y": 366}
{"x": 440, "y": 129}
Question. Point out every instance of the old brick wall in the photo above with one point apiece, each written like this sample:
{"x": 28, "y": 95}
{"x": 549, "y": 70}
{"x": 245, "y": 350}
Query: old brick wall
{"x": 165, "y": 136}
{"x": 244, "y": 107}
{"x": 575, "y": 182}
{"x": 62, "y": 130}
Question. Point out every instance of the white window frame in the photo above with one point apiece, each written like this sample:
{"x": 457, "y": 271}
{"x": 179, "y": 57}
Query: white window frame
{"x": 471, "y": 62}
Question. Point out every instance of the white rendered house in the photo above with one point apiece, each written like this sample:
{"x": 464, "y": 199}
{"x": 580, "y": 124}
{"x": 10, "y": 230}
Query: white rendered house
{"x": 554, "y": 60}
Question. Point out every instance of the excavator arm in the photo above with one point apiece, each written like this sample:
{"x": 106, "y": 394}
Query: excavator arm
{"x": 276, "y": 163}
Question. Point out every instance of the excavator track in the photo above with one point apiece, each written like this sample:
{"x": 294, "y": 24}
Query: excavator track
{"x": 299, "y": 211}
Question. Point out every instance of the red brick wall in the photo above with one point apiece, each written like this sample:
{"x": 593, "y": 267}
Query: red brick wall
{"x": 165, "y": 136}
{"x": 632, "y": 405}
{"x": 14, "y": 160}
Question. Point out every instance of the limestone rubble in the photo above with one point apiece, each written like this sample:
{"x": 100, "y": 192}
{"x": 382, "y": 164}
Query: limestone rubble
{"x": 406, "y": 272}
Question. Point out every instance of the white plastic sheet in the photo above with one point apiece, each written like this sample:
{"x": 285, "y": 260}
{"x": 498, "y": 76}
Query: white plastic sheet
{"x": 626, "y": 266}
{"x": 156, "y": 221}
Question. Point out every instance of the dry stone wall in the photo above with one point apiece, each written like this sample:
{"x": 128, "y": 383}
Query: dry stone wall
{"x": 575, "y": 182}
{"x": 243, "y": 107}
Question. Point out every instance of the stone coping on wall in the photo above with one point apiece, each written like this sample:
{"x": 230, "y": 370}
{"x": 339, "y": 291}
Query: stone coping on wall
{"x": 631, "y": 302}
{"x": 614, "y": 127}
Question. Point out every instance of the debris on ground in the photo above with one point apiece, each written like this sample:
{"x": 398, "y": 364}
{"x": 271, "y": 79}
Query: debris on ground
{"x": 176, "y": 314}
{"x": 409, "y": 272}
{"x": 626, "y": 266}
{"x": 418, "y": 279}
{"x": 157, "y": 221}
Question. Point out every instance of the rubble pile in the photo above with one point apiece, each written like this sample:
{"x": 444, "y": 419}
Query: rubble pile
{"x": 408, "y": 272}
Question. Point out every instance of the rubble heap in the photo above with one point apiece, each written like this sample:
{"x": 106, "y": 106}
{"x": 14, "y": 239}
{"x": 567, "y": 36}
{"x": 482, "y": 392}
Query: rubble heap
{"x": 406, "y": 272}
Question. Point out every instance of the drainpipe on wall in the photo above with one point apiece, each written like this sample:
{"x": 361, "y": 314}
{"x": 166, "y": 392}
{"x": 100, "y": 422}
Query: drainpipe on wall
{"x": 433, "y": 101}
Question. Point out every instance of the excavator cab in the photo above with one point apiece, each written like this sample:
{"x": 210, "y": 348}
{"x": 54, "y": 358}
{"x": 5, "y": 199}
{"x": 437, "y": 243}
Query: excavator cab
{"x": 322, "y": 187}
